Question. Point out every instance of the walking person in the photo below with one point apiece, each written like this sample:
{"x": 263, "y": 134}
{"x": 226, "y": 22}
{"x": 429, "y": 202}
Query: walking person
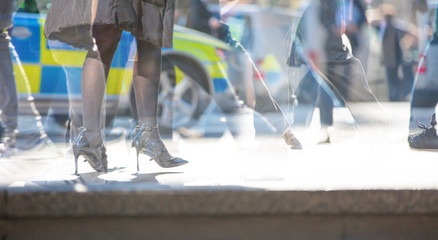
{"x": 202, "y": 18}
{"x": 319, "y": 44}
{"x": 425, "y": 99}
{"x": 396, "y": 40}
{"x": 151, "y": 23}
{"x": 310, "y": 93}
{"x": 8, "y": 90}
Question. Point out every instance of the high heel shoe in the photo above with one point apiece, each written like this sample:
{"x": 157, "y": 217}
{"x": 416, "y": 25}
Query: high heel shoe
{"x": 94, "y": 155}
{"x": 153, "y": 147}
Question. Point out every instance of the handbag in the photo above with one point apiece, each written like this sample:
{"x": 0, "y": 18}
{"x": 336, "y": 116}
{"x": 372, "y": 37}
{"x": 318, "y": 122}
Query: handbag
{"x": 126, "y": 18}
{"x": 70, "y": 22}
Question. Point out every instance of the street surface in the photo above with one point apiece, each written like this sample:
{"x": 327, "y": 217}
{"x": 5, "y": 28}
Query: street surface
{"x": 373, "y": 156}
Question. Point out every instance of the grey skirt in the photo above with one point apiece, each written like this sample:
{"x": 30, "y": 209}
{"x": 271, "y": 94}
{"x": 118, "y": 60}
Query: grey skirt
{"x": 71, "y": 21}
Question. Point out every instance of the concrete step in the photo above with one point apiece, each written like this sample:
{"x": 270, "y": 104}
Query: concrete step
{"x": 150, "y": 212}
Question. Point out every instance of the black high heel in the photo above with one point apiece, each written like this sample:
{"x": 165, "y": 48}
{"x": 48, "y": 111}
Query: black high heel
{"x": 153, "y": 147}
{"x": 94, "y": 155}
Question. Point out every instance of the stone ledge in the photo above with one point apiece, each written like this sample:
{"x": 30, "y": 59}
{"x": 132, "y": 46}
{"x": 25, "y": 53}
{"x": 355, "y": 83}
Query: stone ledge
{"x": 329, "y": 227}
{"x": 2, "y": 203}
{"x": 218, "y": 201}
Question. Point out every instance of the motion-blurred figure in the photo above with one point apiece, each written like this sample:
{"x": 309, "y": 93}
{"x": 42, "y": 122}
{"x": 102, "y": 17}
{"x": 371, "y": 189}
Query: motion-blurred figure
{"x": 201, "y": 18}
{"x": 355, "y": 20}
{"x": 8, "y": 91}
{"x": 425, "y": 97}
{"x": 420, "y": 17}
{"x": 397, "y": 40}
{"x": 319, "y": 44}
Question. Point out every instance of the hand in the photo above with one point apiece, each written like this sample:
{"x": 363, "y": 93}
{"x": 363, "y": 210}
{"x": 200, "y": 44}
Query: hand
{"x": 214, "y": 23}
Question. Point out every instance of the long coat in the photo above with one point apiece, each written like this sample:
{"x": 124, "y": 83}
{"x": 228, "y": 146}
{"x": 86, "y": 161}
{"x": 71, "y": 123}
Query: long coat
{"x": 5, "y": 14}
{"x": 393, "y": 33}
{"x": 71, "y": 21}
{"x": 199, "y": 16}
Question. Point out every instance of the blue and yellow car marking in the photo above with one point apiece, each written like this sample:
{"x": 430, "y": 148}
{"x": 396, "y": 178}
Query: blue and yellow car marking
{"x": 48, "y": 64}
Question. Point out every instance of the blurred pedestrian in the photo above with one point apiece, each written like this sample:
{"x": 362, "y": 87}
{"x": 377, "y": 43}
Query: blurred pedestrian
{"x": 427, "y": 138}
{"x": 310, "y": 94}
{"x": 397, "y": 40}
{"x": 8, "y": 91}
{"x": 205, "y": 16}
{"x": 319, "y": 44}
{"x": 355, "y": 20}
{"x": 202, "y": 19}
{"x": 420, "y": 18}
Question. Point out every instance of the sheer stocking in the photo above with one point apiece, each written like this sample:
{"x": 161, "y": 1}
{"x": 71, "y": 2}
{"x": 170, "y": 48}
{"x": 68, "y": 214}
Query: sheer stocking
{"x": 94, "y": 75}
{"x": 146, "y": 81}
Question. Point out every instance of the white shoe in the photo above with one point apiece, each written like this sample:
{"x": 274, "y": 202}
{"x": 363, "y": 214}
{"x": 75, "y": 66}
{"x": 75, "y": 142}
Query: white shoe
{"x": 324, "y": 136}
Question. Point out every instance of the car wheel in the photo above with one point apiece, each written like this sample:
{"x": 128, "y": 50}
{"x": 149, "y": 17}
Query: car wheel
{"x": 178, "y": 104}
{"x": 61, "y": 119}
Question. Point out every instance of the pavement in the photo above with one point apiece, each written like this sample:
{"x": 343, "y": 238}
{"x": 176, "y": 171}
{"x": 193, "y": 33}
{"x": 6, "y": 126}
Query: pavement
{"x": 366, "y": 184}
{"x": 369, "y": 157}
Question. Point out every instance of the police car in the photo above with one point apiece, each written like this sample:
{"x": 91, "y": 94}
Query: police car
{"x": 194, "y": 71}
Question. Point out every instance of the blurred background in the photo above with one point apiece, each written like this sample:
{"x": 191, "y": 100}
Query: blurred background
{"x": 237, "y": 67}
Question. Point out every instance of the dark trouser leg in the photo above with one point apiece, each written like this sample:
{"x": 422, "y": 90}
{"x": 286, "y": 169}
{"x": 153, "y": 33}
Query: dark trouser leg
{"x": 8, "y": 91}
{"x": 361, "y": 92}
{"x": 325, "y": 104}
{"x": 307, "y": 95}
{"x": 408, "y": 80}
{"x": 394, "y": 84}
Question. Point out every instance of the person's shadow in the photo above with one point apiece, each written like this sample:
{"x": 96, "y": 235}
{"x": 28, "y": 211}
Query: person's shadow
{"x": 93, "y": 180}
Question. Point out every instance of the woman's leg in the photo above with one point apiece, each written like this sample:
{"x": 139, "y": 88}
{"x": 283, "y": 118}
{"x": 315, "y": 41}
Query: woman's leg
{"x": 146, "y": 82}
{"x": 89, "y": 142}
{"x": 95, "y": 73}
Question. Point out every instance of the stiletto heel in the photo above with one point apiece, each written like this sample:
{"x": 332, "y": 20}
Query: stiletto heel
{"x": 76, "y": 165}
{"x": 136, "y": 144}
{"x": 153, "y": 147}
{"x": 138, "y": 164}
{"x": 94, "y": 155}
